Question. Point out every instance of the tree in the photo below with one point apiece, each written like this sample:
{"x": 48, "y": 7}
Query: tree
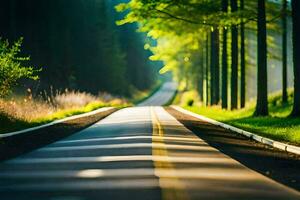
{"x": 224, "y": 61}
{"x": 234, "y": 60}
{"x": 81, "y": 46}
{"x": 207, "y": 66}
{"x": 166, "y": 19}
{"x": 262, "y": 82}
{"x": 201, "y": 75}
{"x": 215, "y": 69}
{"x": 284, "y": 51}
{"x": 296, "y": 58}
{"x": 243, "y": 61}
{"x": 11, "y": 66}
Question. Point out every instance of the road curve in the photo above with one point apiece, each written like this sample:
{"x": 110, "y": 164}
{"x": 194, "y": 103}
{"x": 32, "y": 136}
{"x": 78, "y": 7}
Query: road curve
{"x": 162, "y": 96}
{"x": 135, "y": 153}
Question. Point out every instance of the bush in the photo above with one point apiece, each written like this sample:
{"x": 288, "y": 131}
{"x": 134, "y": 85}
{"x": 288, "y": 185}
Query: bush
{"x": 11, "y": 66}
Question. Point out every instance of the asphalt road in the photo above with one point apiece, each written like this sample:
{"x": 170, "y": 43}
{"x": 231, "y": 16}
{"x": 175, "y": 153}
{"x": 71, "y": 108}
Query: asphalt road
{"x": 162, "y": 96}
{"x": 135, "y": 153}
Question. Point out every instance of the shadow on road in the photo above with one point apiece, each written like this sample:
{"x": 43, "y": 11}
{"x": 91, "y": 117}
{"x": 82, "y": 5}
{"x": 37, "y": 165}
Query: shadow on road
{"x": 278, "y": 165}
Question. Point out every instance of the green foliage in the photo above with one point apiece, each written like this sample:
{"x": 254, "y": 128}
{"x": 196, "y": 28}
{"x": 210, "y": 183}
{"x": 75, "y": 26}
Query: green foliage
{"x": 11, "y": 66}
{"x": 180, "y": 29}
{"x": 183, "y": 30}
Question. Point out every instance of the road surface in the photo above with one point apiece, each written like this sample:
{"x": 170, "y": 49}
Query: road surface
{"x": 135, "y": 153}
{"x": 162, "y": 96}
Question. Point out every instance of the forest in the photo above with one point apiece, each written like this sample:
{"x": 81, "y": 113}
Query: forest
{"x": 215, "y": 46}
{"x": 61, "y": 58}
{"x": 77, "y": 46}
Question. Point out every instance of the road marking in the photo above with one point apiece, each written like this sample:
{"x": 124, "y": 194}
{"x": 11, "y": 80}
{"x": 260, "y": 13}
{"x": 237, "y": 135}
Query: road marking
{"x": 177, "y": 189}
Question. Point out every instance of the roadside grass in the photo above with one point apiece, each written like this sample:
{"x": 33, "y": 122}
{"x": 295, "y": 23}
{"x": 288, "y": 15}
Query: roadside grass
{"x": 21, "y": 112}
{"x": 278, "y": 126}
{"x": 24, "y": 112}
{"x": 9, "y": 123}
{"x": 75, "y": 111}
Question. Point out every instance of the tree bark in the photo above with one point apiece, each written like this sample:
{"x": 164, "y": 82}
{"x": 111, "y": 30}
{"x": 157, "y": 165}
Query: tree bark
{"x": 296, "y": 57}
{"x": 207, "y": 71}
{"x": 201, "y": 76}
{"x": 284, "y": 51}
{"x": 262, "y": 80}
{"x": 212, "y": 68}
{"x": 224, "y": 62}
{"x": 234, "y": 60}
{"x": 243, "y": 62}
{"x": 215, "y": 69}
{"x": 217, "y": 66}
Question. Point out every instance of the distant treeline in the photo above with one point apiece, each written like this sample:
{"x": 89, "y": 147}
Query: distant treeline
{"x": 78, "y": 45}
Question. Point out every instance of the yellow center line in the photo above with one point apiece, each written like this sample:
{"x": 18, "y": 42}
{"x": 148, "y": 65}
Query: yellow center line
{"x": 172, "y": 188}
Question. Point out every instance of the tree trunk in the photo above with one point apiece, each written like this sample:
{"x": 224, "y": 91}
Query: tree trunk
{"x": 284, "y": 52}
{"x": 212, "y": 68}
{"x": 207, "y": 71}
{"x": 296, "y": 57}
{"x": 234, "y": 60}
{"x": 215, "y": 70}
{"x": 217, "y": 66}
{"x": 262, "y": 80}
{"x": 243, "y": 63}
{"x": 201, "y": 76}
{"x": 224, "y": 61}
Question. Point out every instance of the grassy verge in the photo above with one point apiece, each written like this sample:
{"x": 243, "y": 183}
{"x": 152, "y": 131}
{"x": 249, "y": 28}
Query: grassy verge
{"x": 27, "y": 112}
{"x": 9, "y": 123}
{"x": 277, "y": 126}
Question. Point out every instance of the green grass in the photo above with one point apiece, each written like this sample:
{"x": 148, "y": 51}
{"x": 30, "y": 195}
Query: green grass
{"x": 277, "y": 126}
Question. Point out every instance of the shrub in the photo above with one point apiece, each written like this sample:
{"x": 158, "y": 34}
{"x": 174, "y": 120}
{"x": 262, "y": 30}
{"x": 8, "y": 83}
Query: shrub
{"x": 11, "y": 66}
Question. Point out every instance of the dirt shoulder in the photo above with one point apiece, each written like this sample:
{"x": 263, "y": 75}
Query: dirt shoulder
{"x": 278, "y": 165}
{"x": 19, "y": 144}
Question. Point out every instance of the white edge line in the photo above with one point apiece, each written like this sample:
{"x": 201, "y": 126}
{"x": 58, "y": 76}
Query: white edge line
{"x": 5, "y": 135}
{"x": 264, "y": 140}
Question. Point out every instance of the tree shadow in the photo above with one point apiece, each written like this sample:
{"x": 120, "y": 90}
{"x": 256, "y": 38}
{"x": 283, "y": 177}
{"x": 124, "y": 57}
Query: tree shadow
{"x": 273, "y": 163}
